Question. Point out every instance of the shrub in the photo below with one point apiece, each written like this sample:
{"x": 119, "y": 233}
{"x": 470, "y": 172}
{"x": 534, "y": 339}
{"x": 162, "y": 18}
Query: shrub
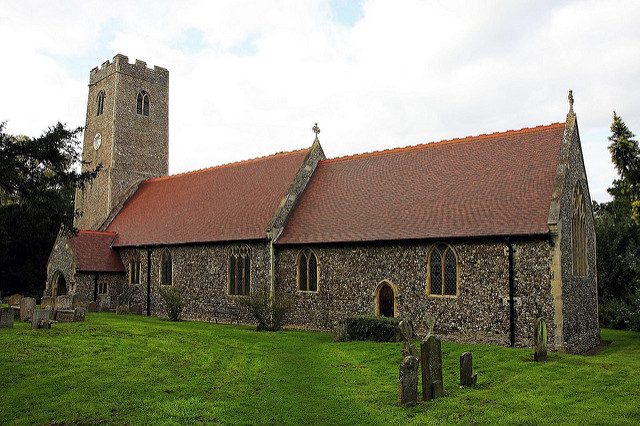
{"x": 367, "y": 327}
{"x": 615, "y": 314}
{"x": 173, "y": 301}
{"x": 269, "y": 316}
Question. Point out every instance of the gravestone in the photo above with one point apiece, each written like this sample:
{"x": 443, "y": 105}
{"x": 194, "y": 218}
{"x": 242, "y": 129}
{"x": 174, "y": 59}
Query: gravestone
{"x": 431, "y": 360}
{"x": 92, "y": 307}
{"x": 136, "y": 309}
{"x": 540, "y": 340}
{"x": 104, "y": 302}
{"x": 406, "y": 331}
{"x": 48, "y": 302}
{"x": 431, "y": 321}
{"x": 408, "y": 381}
{"x": 77, "y": 302}
{"x": 14, "y": 300}
{"x": 65, "y": 315}
{"x": 63, "y": 302}
{"x": 467, "y": 378}
{"x": 79, "y": 314}
{"x": 6, "y": 317}
{"x": 27, "y": 305}
{"x": 41, "y": 318}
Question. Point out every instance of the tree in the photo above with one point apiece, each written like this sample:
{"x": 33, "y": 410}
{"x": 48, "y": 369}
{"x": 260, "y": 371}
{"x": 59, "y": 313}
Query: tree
{"x": 625, "y": 154}
{"x": 38, "y": 179}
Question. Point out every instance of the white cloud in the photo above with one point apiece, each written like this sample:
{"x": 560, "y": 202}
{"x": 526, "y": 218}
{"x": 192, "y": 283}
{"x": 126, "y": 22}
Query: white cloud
{"x": 263, "y": 72}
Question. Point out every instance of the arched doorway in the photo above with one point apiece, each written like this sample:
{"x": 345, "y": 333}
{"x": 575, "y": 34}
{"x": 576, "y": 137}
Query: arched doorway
{"x": 59, "y": 285}
{"x": 386, "y": 300}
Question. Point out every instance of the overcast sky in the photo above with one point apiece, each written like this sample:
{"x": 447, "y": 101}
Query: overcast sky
{"x": 249, "y": 78}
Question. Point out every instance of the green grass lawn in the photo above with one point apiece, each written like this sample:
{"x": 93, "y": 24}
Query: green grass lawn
{"x": 138, "y": 370}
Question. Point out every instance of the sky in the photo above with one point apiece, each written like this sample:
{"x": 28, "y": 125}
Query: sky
{"x": 250, "y": 78}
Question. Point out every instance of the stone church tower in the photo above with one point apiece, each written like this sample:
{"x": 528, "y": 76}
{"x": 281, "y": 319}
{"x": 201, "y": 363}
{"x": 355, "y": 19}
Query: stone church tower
{"x": 127, "y": 131}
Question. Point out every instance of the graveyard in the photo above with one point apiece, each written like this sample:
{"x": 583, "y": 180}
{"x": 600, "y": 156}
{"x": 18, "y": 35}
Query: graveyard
{"x": 124, "y": 369}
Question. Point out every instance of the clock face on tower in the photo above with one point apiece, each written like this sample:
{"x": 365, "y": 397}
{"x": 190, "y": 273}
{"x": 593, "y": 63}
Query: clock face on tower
{"x": 97, "y": 141}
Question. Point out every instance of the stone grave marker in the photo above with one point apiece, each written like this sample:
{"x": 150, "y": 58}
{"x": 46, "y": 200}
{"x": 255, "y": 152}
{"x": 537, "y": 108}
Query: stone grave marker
{"x": 136, "y": 309}
{"x": 77, "y": 302}
{"x": 14, "y": 300}
{"x": 27, "y": 305}
{"x": 104, "y": 302}
{"x": 540, "y": 340}
{"x": 431, "y": 360}
{"x": 49, "y": 302}
{"x": 65, "y": 315}
{"x": 408, "y": 381}
{"x": 79, "y": 314}
{"x": 406, "y": 331}
{"x": 467, "y": 377}
{"x": 63, "y": 302}
{"x": 6, "y": 317}
{"x": 92, "y": 307}
{"x": 41, "y": 318}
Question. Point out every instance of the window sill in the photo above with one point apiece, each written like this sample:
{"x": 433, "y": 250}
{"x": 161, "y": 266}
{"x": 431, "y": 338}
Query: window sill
{"x": 443, "y": 296}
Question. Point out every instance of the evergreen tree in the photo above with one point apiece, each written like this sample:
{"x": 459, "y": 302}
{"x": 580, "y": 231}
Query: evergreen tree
{"x": 625, "y": 154}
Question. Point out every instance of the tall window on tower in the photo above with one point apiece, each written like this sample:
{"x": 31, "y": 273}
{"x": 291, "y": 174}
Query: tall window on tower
{"x": 442, "y": 275}
{"x": 579, "y": 232}
{"x": 308, "y": 271}
{"x": 142, "y": 103}
{"x": 239, "y": 268}
{"x": 100, "y": 103}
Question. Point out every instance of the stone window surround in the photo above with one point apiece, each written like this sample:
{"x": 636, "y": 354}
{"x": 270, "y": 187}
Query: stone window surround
{"x": 376, "y": 297}
{"x": 100, "y": 103}
{"x": 308, "y": 250}
{"x": 578, "y": 249}
{"x": 141, "y": 97}
{"x": 428, "y": 285}
{"x": 241, "y": 250}
{"x": 134, "y": 262}
{"x": 161, "y": 277}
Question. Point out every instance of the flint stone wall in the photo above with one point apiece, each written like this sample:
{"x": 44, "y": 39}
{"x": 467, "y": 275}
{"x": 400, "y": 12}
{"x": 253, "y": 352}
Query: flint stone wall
{"x": 350, "y": 276}
{"x": 60, "y": 260}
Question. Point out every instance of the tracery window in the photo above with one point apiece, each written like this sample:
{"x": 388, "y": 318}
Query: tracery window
{"x": 134, "y": 271}
{"x": 103, "y": 288}
{"x": 100, "y": 103}
{"x": 308, "y": 271}
{"x": 442, "y": 267}
{"x": 579, "y": 232}
{"x": 142, "y": 103}
{"x": 166, "y": 269}
{"x": 239, "y": 268}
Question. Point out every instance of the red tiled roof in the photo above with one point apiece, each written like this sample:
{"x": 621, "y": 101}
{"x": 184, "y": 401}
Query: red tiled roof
{"x": 225, "y": 203}
{"x": 488, "y": 185}
{"x": 93, "y": 252}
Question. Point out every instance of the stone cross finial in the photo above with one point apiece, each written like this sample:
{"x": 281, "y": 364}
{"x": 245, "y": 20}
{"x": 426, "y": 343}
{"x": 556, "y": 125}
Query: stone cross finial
{"x": 316, "y": 130}
{"x": 570, "y": 101}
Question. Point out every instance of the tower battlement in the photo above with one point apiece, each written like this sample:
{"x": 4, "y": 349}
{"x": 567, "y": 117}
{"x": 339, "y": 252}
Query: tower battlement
{"x": 139, "y": 69}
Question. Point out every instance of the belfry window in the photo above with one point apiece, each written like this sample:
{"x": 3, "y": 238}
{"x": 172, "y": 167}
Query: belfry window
{"x": 166, "y": 269}
{"x": 579, "y": 232}
{"x": 239, "y": 271}
{"x": 308, "y": 271}
{"x": 442, "y": 279}
{"x": 100, "y": 103}
{"x": 142, "y": 103}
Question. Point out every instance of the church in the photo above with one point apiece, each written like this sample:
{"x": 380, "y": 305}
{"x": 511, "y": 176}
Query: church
{"x": 485, "y": 233}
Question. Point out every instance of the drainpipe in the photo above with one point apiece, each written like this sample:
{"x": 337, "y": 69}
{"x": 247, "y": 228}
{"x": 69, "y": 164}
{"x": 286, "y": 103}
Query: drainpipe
{"x": 512, "y": 291}
{"x": 272, "y": 272}
{"x": 148, "y": 282}
{"x": 95, "y": 288}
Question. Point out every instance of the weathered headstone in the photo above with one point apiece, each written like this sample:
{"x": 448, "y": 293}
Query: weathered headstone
{"x": 6, "y": 317}
{"x": 92, "y": 307}
{"x": 41, "y": 318}
{"x": 136, "y": 309}
{"x": 78, "y": 302}
{"x": 65, "y": 315}
{"x": 467, "y": 377}
{"x": 27, "y": 305}
{"x": 431, "y": 321}
{"x": 408, "y": 381}
{"x": 406, "y": 331}
{"x": 540, "y": 340}
{"x": 63, "y": 302}
{"x": 104, "y": 302}
{"x": 79, "y": 314}
{"x": 431, "y": 360}
{"x": 14, "y": 300}
{"x": 48, "y": 302}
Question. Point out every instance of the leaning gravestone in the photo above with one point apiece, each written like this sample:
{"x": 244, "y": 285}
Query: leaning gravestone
{"x": 79, "y": 314}
{"x": 408, "y": 381}
{"x": 63, "y": 302}
{"x": 41, "y": 318}
{"x": 6, "y": 317}
{"x": 406, "y": 331}
{"x": 467, "y": 377}
{"x": 431, "y": 360}
{"x": 27, "y": 305}
{"x": 48, "y": 302}
{"x": 540, "y": 340}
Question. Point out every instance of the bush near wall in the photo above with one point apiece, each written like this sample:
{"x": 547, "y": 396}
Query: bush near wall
{"x": 621, "y": 315}
{"x": 367, "y": 327}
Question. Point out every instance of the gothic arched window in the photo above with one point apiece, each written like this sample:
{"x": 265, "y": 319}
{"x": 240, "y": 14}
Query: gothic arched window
{"x": 579, "y": 232}
{"x": 442, "y": 271}
{"x": 134, "y": 270}
{"x": 142, "y": 103}
{"x": 100, "y": 103}
{"x": 308, "y": 271}
{"x": 239, "y": 271}
{"x": 166, "y": 269}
